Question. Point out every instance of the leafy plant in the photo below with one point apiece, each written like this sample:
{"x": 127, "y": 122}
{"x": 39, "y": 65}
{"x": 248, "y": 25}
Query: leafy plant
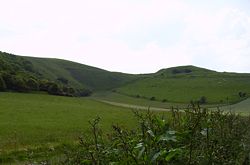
{"x": 195, "y": 136}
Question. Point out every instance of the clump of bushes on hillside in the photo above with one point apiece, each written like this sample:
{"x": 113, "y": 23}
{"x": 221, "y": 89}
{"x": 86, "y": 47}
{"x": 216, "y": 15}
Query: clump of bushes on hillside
{"x": 178, "y": 71}
{"x": 27, "y": 83}
{"x": 18, "y": 74}
{"x": 242, "y": 94}
{"x": 202, "y": 100}
{"x": 195, "y": 136}
{"x": 152, "y": 98}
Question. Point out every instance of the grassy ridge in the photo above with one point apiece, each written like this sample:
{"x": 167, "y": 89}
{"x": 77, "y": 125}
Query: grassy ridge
{"x": 183, "y": 87}
{"x": 78, "y": 75}
{"x": 37, "y": 119}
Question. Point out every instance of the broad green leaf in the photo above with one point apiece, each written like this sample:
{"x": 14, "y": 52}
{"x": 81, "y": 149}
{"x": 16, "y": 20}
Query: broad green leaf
{"x": 172, "y": 153}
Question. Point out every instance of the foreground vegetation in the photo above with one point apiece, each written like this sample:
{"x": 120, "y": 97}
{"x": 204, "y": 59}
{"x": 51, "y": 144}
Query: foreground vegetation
{"x": 46, "y": 129}
{"x": 197, "y": 136}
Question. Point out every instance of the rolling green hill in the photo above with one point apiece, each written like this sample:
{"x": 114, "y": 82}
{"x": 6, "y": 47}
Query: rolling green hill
{"x": 73, "y": 74}
{"x": 80, "y": 75}
{"x": 173, "y": 85}
{"x": 186, "y": 83}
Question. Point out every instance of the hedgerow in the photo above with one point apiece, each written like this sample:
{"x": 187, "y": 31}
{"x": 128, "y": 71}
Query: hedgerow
{"x": 192, "y": 136}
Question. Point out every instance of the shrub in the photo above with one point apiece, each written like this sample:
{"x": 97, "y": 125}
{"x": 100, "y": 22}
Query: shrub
{"x": 152, "y": 98}
{"x": 242, "y": 94}
{"x": 68, "y": 91}
{"x": 8, "y": 79}
{"x": 176, "y": 71}
{"x": 18, "y": 84}
{"x": 2, "y": 84}
{"x": 164, "y": 100}
{"x": 195, "y": 136}
{"x": 63, "y": 80}
{"x": 187, "y": 70}
{"x": 54, "y": 89}
{"x": 203, "y": 100}
{"x": 32, "y": 84}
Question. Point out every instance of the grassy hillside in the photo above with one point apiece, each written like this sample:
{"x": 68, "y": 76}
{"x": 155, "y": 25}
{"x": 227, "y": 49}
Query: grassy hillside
{"x": 76, "y": 75}
{"x": 183, "y": 84}
{"x": 80, "y": 75}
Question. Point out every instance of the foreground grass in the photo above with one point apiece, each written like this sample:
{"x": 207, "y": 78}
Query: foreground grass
{"x": 28, "y": 120}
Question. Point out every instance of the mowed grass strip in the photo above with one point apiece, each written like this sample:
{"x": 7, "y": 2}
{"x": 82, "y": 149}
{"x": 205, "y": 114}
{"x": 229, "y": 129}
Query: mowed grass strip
{"x": 37, "y": 119}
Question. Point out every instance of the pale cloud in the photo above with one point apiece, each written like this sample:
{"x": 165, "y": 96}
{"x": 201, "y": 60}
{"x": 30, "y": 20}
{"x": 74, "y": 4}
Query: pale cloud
{"x": 129, "y": 36}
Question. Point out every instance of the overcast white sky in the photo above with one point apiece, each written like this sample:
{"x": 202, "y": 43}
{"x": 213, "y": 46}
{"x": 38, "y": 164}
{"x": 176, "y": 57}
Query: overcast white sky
{"x": 133, "y": 36}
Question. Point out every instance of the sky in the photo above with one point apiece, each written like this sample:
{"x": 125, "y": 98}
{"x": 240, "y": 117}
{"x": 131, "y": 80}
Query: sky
{"x": 132, "y": 36}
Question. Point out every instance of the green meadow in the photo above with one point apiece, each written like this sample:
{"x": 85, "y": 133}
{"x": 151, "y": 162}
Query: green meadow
{"x": 27, "y": 120}
{"x": 218, "y": 88}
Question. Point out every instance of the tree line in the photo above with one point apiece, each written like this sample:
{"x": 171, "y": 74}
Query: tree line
{"x": 19, "y": 83}
{"x": 18, "y": 74}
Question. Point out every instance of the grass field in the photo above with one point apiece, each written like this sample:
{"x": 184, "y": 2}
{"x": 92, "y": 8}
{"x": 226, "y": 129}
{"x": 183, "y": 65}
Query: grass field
{"x": 38, "y": 119}
{"x": 120, "y": 98}
{"x": 218, "y": 88}
{"x": 242, "y": 107}
{"x": 29, "y": 121}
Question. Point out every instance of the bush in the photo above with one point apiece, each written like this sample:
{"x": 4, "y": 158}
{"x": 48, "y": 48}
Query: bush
{"x": 8, "y": 79}
{"x": 44, "y": 85}
{"x": 19, "y": 84}
{"x": 68, "y": 91}
{"x": 164, "y": 100}
{"x": 203, "y": 100}
{"x": 196, "y": 136}
{"x": 152, "y": 98}
{"x": 54, "y": 89}
{"x": 32, "y": 84}
{"x": 242, "y": 94}
{"x": 2, "y": 84}
{"x": 63, "y": 80}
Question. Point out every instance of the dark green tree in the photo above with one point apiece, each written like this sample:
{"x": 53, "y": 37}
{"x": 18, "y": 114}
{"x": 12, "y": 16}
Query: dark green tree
{"x": 203, "y": 100}
{"x": 54, "y": 89}
{"x": 19, "y": 84}
{"x": 32, "y": 84}
{"x": 2, "y": 84}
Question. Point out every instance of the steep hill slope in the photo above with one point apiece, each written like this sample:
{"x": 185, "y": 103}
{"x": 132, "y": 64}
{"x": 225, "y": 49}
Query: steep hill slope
{"x": 57, "y": 70}
{"x": 80, "y": 75}
{"x": 189, "y": 83}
